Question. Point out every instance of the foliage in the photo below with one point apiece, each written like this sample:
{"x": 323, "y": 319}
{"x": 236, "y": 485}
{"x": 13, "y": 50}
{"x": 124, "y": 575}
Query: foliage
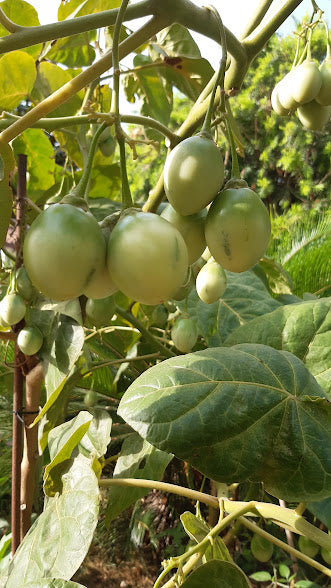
{"x": 246, "y": 412}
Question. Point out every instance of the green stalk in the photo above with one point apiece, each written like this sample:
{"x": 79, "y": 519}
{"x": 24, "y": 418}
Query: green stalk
{"x": 219, "y": 81}
{"x": 81, "y": 189}
{"x": 235, "y": 171}
{"x": 126, "y": 192}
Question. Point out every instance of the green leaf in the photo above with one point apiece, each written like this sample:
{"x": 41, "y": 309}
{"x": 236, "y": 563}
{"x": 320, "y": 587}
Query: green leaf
{"x": 156, "y": 102}
{"x": 279, "y": 280}
{"x": 63, "y": 342}
{"x": 284, "y": 571}
{"x": 83, "y": 7}
{"x": 321, "y": 510}
{"x": 303, "y": 329}
{"x": 261, "y": 577}
{"x": 176, "y": 41}
{"x": 97, "y": 437}
{"x": 248, "y": 412}
{"x": 74, "y": 51}
{"x": 17, "y": 76}
{"x": 51, "y": 77}
{"x": 59, "y": 540}
{"x": 197, "y": 529}
{"x": 217, "y": 574}
{"x": 62, "y": 440}
{"x": 138, "y": 459}
{"x": 244, "y": 298}
{"x": 5, "y": 543}
{"x": 40, "y": 160}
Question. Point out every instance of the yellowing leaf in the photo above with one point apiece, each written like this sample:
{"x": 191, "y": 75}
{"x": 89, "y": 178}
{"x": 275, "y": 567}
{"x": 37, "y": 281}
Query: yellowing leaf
{"x": 17, "y": 76}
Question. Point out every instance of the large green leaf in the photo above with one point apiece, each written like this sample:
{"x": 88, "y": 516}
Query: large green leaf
{"x": 248, "y": 412}
{"x": 217, "y": 574}
{"x": 245, "y": 298}
{"x": 59, "y": 540}
{"x": 17, "y": 76}
{"x": 138, "y": 459}
{"x": 303, "y": 329}
{"x": 62, "y": 440}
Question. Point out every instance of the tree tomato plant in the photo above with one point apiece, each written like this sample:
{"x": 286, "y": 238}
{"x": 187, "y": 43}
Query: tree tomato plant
{"x": 245, "y": 414}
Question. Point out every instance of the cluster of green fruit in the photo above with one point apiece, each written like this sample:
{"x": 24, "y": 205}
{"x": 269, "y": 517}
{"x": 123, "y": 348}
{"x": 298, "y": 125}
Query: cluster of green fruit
{"x": 306, "y": 89}
{"x": 146, "y": 256}
{"x": 12, "y": 311}
{"x": 262, "y": 549}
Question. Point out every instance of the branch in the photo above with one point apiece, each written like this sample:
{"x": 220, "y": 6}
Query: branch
{"x": 260, "y": 36}
{"x": 79, "y": 82}
{"x": 277, "y": 514}
{"x": 27, "y": 36}
{"x": 260, "y": 12}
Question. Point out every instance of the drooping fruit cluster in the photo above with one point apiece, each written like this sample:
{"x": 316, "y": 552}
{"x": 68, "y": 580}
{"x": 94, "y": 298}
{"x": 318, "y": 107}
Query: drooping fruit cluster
{"x": 237, "y": 224}
{"x": 306, "y": 89}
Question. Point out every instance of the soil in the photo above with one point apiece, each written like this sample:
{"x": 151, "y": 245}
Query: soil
{"x": 98, "y": 573}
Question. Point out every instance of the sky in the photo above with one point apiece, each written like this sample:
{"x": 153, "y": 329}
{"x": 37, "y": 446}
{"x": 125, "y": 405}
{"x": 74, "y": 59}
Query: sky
{"x": 234, "y": 14}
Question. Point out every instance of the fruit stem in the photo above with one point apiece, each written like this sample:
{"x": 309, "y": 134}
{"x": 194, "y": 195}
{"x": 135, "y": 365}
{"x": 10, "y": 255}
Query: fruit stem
{"x": 80, "y": 189}
{"x": 328, "y": 43}
{"x": 219, "y": 81}
{"x": 235, "y": 170}
{"x": 126, "y": 193}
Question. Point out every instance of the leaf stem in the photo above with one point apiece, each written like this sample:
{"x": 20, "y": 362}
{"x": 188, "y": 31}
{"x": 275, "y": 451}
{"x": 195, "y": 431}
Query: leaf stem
{"x": 81, "y": 188}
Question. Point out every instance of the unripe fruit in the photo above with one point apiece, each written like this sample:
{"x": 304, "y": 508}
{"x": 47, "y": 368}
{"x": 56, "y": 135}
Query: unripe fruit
{"x": 324, "y": 95}
{"x": 211, "y": 282}
{"x": 306, "y": 81}
{"x": 100, "y": 311}
{"x": 184, "y": 334}
{"x": 12, "y": 308}
{"x": 62, "y": 250}
{"x": 30, "y": 340}
{"x": 313, "y": 116}
{"x": 90, "y": 399}
{"x": 308, "y": 546}
{"x": 284, "y": 92}
{"x": 193, "y": 174}
{"x": 237, "y": 229}
{"x": 191, "y": 227}
{"x": 23, "y": 284}
{"x": 275, "y": 103}
{"x": 261, "y": 548}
